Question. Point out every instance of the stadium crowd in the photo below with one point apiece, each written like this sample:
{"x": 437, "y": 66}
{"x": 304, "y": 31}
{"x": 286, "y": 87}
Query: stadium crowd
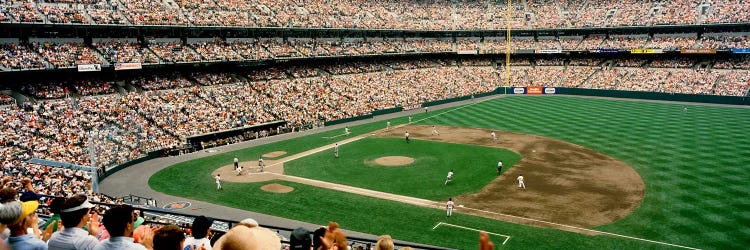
{"x": 391, "y": 14}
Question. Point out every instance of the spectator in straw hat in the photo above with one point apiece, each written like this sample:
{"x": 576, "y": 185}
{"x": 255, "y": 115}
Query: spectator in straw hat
{"x": 242, "y": 237}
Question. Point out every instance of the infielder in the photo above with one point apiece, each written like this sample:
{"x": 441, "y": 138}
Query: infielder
{"x": 499, "y": 167}
{"x": 261, "y": 165}
{"x": 494, "y": 136}
{"x": 236, "y": 163}
{"x": 336, "y": 150}
{"x": 406, "y": 135}
{"x": 449, "y": 178}
{"x": 520, "y": 182}
{"x": 388, "y": 125}
{"x": 434, "y": 131}
{"x": 346, "y": 130}
{"x": 218, "y": 182}
{"x": 409, "y": 119}
{"x": 449, "y": 207}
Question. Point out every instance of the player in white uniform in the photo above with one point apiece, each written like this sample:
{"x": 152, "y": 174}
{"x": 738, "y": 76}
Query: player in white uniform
{"x": 218, "y": 182}
{"x": 406, "y": 135}
{"x": 409, "y": 119}
{"x": 346, "y": 130}
{"x": 520, "y": 182}
{"x": 494, "y": 136}
{"x": 449, "y": 178}
{"x": 388, "y": 125}
{"x": 434, "y": 131}
{"x": 449, "y": 207}
{"x": 499, "y": 167}
{"x": 336, "y": 150}
{"x": 261, "y": 165}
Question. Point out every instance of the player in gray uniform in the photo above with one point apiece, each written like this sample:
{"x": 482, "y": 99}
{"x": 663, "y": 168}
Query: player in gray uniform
{"x": 336, "y": 150}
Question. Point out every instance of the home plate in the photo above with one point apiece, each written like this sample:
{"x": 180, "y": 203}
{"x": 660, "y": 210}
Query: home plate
{"x": 460, "y": 205}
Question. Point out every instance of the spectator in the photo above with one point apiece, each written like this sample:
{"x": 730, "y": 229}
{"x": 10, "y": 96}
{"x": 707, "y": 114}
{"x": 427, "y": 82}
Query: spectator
{"x": 242, "y": 237}
{"x": 384, "y": 243}
{"x": 75, "y": 214}
{"x": 120, "y": 221}
{"x": 19, "y": 217}
{"x": 170, "y": 237}
{"x": 200, "y": 230}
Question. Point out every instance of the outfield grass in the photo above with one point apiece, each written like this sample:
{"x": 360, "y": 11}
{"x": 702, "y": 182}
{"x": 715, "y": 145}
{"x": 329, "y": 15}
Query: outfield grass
{"x": 474, "y": 167}
{"x": 694, "y": 166}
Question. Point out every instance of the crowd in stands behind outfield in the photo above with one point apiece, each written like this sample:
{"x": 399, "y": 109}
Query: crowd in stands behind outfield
{"x": 390, "y": 14}
{"x": 170, "y": 107}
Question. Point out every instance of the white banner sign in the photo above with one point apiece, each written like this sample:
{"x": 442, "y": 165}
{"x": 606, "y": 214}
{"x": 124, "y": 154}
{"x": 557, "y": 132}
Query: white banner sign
{"x": 89, "y": 67}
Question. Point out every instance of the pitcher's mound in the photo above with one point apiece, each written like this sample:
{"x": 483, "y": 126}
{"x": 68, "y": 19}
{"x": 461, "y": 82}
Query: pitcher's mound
{"x": 274, "y": 154}
{"x": 394, "y": 160}
{"x": 277, "y": 188}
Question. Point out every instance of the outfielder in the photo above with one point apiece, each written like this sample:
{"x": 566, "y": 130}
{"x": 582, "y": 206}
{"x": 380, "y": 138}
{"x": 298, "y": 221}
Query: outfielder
{"x": 261, "y": 165}
{"x": 434, "y": 131}
{"x": 336, "y": 150}
{"x": 218, "y": 182}
{"x": 346, "y": 130}
{"x": 406, "y": 135}
{"x": 449, "y": 207}
{"x": 520, "y": 182}
{"x": 388, "y": 125}
{"x": 449, "y": 178}
{"x": 409, "y": 119}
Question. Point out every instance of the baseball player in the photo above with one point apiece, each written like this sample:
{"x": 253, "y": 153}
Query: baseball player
{"x": 434, "y": 131}
{"x": 520, "y": 182}
{"x": 406, "y": 135}
{"x": 684, "y": 108}
{"x": 236, "y": 163}
{"x": 261, "y": 165}
{"x": 336, "y": 150}
{"x": 388, "y": 125}
{"x": 218, "y": 182}
{"x": 449, "y": 207}
{"x": 449, "y": 178}
{"x": 499, "y": 167}
{"x": 494, "y": 136}
{"x": 409, "y": 119}
{"x": 346, "y": 130}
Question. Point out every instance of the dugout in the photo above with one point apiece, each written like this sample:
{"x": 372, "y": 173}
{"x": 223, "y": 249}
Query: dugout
{"x": 228, "y": 136}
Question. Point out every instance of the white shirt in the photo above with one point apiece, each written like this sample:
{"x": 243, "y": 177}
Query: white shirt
{"x": 407, "y": 134}
{"x": 236, "y": 160}
{"x": 520, "y": 178}
{"x": 218, "y": 179}
{"x": 493, "y": 134}
{"x": 197, "y": 243}
{"x": 499, "y": 164}
{"x": 449, "y": 205}
{"x": 450, "y": 174}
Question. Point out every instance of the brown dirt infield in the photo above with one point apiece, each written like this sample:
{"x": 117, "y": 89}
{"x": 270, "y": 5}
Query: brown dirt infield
{"x": 274, "y": 154}
{"x": 394, "y": 161}
{"x": 277, "y": 188}
{"x": 565, "y": 183}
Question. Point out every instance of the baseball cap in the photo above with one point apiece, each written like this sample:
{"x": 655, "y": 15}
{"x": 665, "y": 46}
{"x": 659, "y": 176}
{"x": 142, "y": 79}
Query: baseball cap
{"x": 13, "y": 212}
{"x": 300, "y": 239}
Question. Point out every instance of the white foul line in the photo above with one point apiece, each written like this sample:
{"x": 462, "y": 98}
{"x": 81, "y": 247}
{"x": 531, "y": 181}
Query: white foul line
{"x": 473, "y": 229}
{"x": 584, "y": 229}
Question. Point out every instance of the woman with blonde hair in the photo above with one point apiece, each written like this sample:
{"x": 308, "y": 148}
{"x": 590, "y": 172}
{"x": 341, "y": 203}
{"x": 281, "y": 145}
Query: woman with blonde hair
{"x": 384, "y": 243}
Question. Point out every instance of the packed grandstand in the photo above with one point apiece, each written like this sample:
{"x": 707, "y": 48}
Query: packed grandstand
{"x": 124, "y": 117}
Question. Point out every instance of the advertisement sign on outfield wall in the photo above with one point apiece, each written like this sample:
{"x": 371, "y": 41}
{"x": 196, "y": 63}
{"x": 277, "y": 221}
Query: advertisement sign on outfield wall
{"x": 550, "y": 91}
{"x": 89, "y": 67}
{"x": 534, "y": 90}
{"x": 519, "y": 90}
{"x": 125, "y": 66}
{"x": 741, "y": 51}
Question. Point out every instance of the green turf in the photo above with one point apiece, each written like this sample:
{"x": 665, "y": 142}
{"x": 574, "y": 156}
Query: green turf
{"x": 694, "y": 165}
{"x": 474, "y": 167}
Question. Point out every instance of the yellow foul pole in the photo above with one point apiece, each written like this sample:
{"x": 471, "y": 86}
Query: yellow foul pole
{"x": 507, "y": 44}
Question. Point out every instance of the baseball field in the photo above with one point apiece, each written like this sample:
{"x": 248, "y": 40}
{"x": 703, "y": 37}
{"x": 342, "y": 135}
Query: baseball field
{"x": 600, "y": 173}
